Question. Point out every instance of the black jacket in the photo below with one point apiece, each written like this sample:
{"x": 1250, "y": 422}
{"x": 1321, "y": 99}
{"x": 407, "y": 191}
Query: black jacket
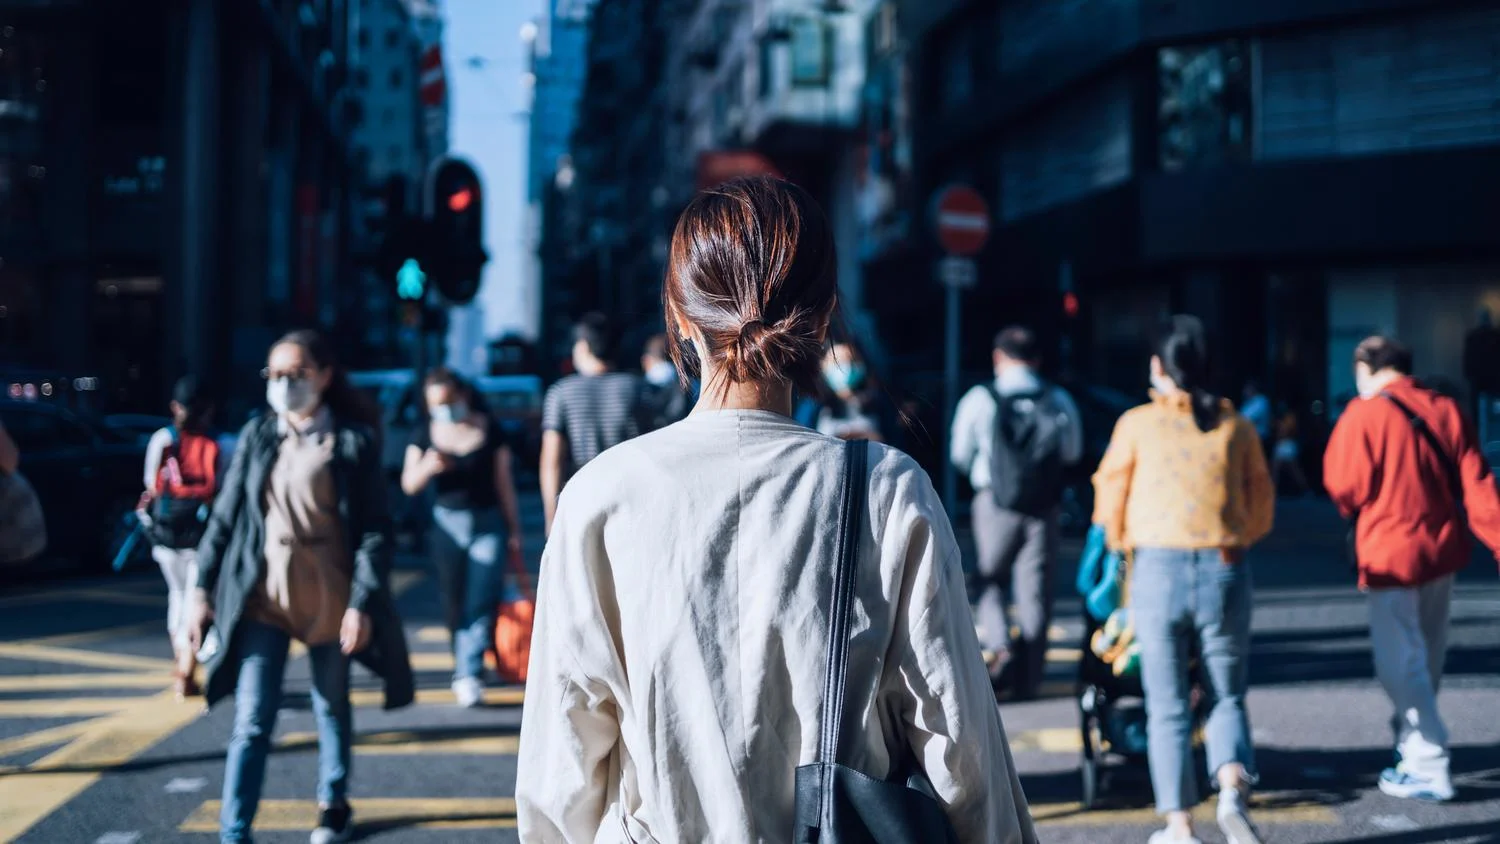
{"x": 231, "y": 562}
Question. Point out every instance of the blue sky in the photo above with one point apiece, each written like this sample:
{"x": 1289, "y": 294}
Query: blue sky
{"x": 488, "y": 126}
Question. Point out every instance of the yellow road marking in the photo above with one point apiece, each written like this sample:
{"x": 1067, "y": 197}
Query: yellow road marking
{"x": 43, "y": 738}
{"x": 68, "y": 639}
{"x": 429, "y": 661}
{"x": 416, "y": 743}
{"x": 92, "y": 659}
{"x": 1048, "y": 740}
{"x": 508, "y": 696}
{"x": 82, "y": 682}
{"x": 107, "y": 743}
{"x": 433, "y": 635}
{"x": 1266, "y": 810}
{"x": 1064, "y": 654}
{"x": 61, "y": 707}
{"x": 373, "y": 814}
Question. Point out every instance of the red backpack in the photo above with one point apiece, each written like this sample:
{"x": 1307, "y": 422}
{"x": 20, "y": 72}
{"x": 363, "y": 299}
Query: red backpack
{"x": 185, "y": 483}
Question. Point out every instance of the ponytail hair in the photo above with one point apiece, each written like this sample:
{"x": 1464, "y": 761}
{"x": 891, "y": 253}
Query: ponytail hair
{"x": 1182, "y": 348}
{"x": 347, "y": 404}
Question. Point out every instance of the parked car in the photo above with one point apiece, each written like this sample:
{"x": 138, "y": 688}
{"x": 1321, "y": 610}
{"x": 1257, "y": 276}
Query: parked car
{"x": 87, "y": 476}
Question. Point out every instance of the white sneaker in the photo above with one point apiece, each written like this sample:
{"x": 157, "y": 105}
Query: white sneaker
{"x": 1166, "y": 836}
{"x": 1233, "y": 819}
{"x": 1398, "y": 783}
{"x": 469, "y": 691}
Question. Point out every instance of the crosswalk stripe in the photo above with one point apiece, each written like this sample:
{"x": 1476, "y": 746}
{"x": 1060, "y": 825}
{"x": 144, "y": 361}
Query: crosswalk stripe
{"x": 61, "y": 707}
{"x": 83, "y": 682}
{"x": 38, "y": 790}
{"x": 43, "y": 738}
{"x": 90, "y": 659}
{"x": 1265, "y": 810}
{"x": 1047, "y": 740}
{"x": 377, "y": 813}
{"x": 416, "y": 743}
{"x": 506, "y": 696}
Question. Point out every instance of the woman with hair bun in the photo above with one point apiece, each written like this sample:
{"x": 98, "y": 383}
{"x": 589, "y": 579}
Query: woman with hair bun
{"x": 1184, "y": 488}
{"x": 683, "y": 617}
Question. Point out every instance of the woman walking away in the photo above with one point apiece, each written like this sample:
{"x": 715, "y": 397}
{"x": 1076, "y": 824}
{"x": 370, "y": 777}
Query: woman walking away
{"x": 684, "y": 619}
{"x": 476, "y": 526}
{"x": 182, "y": 468}
{"x": 298, "y": 547}
{"x": 1184, "y": 488}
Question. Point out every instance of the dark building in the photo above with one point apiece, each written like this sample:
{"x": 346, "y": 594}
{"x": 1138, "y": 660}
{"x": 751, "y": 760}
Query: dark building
{"x": 605, "y": 226}
{"x": 1298, "y": 173}
{"x": 174, "y": 185}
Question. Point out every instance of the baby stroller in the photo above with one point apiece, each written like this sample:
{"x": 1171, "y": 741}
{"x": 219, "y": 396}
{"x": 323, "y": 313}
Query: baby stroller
{"x": 1111, "y": 702}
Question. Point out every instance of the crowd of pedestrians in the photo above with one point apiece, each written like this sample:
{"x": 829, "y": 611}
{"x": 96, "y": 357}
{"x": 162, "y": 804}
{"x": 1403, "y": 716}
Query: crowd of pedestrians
{"x": 706, "y": 534}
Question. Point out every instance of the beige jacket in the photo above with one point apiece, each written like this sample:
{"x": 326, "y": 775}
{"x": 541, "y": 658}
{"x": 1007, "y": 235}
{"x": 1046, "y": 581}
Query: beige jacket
{"x": 677, "y": 667}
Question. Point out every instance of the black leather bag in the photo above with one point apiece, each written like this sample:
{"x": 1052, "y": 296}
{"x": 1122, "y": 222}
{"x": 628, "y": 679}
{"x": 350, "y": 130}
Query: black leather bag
{"x": 837, "y": 804}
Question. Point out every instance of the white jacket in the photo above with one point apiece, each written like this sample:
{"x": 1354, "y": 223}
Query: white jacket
{"x": 677, "y": 666}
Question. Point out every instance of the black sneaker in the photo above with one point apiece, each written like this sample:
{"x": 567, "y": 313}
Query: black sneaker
{"x": 335, "y": 824}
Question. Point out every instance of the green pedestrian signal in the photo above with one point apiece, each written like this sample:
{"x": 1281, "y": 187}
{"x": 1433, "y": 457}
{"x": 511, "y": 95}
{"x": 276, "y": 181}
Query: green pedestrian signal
{"x": 411, "y": 282}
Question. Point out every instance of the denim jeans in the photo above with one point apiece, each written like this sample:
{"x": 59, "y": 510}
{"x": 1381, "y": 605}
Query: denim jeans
{"x": 1185, "y": 601}
{"x": 1409, "y": 639}
{"x": 257, "y": 699}
{"x": 469, "y": 551}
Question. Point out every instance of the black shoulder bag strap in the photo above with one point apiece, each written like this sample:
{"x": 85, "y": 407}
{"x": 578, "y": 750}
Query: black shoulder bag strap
{"x": 1450, "y": 466}
{"x": 841, "y": 607}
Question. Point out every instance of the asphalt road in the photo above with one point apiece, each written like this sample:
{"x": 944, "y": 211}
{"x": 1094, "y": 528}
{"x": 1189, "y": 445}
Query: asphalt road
{"x": 93, "y": 750}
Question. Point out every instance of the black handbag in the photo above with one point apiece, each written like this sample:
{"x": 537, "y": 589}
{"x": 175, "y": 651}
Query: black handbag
{"x": 837, "y": 804}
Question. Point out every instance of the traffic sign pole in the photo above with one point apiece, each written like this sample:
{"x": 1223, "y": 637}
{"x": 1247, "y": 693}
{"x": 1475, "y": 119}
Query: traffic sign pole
{"x": 962, "y": 221}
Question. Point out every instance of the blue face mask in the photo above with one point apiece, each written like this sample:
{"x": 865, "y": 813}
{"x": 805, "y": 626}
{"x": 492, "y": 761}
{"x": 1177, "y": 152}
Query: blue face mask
{"x": 450, "y": 413}
{"x": 844, "y": 379}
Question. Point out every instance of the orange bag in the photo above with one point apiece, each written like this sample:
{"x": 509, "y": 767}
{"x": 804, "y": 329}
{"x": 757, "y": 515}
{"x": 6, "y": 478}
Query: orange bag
{"x": 513, "y": 628}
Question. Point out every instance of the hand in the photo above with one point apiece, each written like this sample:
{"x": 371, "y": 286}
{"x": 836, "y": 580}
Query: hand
{"x": 1231, "y": 556}
{"x": 435, "y": 462}
{"x": 354, "y": 634}
{"x": 202, "y": 616}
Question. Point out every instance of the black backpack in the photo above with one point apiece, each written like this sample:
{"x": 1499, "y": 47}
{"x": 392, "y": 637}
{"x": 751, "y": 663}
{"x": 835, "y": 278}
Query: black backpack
{"x": 1026, "y": 466}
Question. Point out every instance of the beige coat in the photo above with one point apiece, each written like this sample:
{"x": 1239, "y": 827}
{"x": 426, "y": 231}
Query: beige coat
{"x": 677, "y": 668}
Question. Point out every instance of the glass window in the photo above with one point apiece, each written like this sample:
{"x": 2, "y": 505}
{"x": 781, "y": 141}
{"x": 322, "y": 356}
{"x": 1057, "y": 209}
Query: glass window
{"x": 767, "y": 66}
{"x": 397, "y": 77}
{"x": 812, "y": 52}
{"x": 361, "y": 78}
{"x": 392, "y": 38}
{"x": 364, "y": 37}
{"x": 1204, "y": 104}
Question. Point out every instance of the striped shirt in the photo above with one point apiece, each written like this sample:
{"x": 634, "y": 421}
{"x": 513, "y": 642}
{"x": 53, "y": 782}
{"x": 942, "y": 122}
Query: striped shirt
{"x": 594, "y": 413}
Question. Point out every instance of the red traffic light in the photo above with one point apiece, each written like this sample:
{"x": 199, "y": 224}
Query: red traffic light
{"x": 1070, "y": 304}
{"x": 460, "y": 200}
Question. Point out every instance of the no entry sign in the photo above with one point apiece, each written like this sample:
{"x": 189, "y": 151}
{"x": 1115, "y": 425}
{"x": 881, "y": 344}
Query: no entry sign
{"x": 963, "y": 220}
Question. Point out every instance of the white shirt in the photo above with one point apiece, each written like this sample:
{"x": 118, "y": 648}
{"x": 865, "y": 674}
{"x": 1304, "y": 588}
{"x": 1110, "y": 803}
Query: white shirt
{"x": 678, "y": 657}
{"x": 974, "y": 424}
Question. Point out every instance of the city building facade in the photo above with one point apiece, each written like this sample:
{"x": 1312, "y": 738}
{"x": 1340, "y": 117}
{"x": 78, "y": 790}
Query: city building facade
{"x": 1298, "y": 174}
{"x": 175, "y": 185}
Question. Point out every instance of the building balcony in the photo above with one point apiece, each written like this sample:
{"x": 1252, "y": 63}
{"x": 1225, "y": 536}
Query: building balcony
{"x": 809, "y": 79}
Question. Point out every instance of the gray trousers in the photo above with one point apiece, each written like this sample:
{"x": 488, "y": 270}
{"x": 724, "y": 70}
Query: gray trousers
{"x": 1017, "y": 555}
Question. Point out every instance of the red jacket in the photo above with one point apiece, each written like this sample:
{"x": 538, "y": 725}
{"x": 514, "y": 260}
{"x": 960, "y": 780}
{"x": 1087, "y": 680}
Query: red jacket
{"x": 1378, "y": 467}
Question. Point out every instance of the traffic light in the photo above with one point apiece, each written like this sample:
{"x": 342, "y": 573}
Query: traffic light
{"x": 455, "y": 242}
{"x": 403, "y": 258}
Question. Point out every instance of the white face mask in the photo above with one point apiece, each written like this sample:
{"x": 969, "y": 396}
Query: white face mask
{"x": 450, "y": 413}
{"x": 661, "y": 373}
{"x": 286, "y": 395}
{"x": 1162, "y": 384}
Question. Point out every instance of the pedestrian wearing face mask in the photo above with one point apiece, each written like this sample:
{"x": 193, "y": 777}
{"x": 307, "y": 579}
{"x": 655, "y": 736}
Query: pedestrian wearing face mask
{"x": 463, "y": 456}
{"x": 665, "y": 400}
{"x": 298, "y": 547}
{"x": 849, "y": 412}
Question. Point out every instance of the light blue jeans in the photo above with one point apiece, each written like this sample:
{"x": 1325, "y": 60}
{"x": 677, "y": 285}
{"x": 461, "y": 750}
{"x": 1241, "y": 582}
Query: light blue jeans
{"x": 469, "y": 552}
{"x": 257, "y": 699}
{"x": 1180, "y": 599}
